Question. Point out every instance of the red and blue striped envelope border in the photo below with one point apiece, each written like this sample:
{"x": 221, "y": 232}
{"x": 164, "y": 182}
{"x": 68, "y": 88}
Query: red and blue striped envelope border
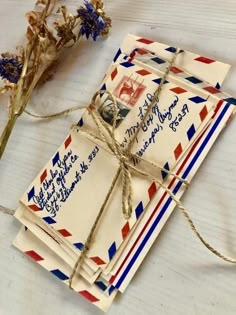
{"x": 40, "y": 253}
{"x": 223, "y": 111}
{"x": 211, "y": 70}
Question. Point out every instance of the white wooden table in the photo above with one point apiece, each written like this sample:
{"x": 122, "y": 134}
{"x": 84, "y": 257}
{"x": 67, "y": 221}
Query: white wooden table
{"x": 179, "y": 276}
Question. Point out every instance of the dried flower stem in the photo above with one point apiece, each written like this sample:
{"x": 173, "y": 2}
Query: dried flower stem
{"x": 18, "y": 104}
{"x": 6, "y": 134}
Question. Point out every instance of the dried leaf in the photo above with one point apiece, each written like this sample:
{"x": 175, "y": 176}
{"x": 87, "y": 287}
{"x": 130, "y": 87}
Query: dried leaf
{"x": 48, "y": 74}
{"x": 29, "y": 33}
{"x": 34, "y": 18}
{"x": 63, "y": 10}
{"x": 47, "y": 48}
{"x": 4, "y": 89}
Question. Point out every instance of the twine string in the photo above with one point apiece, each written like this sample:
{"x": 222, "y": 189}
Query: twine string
{"x": 89, "y": 240}
{"x": 186, "y": 215}
{"x": 155, "y": 96}
{"x": 58, "y": 114}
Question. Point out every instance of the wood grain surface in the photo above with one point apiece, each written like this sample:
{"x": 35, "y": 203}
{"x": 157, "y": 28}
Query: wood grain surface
{"x": 178, "y": 276}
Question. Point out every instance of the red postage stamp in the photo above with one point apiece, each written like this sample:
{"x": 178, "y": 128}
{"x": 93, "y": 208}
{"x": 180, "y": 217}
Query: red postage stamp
{"x": 129, "y": 90}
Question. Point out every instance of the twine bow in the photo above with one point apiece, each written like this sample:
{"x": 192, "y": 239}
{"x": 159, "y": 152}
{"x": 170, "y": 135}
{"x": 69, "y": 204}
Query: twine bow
{"x": 123, "y": 154}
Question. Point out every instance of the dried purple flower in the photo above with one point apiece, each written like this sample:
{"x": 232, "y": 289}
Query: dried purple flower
{"x": 10, "y": 69}
{"x": 92, "y": 23}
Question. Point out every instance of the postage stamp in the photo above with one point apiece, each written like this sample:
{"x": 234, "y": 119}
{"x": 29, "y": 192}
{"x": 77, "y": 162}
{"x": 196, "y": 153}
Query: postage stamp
{"x": 106, "y": 111}
{"x": 129, "y": 90}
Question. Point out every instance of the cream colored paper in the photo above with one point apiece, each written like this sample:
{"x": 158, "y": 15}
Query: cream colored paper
{"x": 26, "y": 241}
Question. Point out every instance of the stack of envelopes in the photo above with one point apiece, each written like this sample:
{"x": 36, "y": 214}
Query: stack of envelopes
{"x": 59, "y": 208}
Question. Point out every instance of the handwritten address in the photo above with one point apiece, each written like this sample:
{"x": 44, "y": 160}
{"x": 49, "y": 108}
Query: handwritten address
{"x": 56, "y": 189}
{"x": 155, "y": 121}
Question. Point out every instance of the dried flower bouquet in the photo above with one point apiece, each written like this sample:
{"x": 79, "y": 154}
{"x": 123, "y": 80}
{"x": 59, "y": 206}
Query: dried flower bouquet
{"x": 46, "y": 39}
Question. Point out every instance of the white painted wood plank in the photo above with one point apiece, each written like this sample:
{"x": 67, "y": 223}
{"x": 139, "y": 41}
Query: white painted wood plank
{"x": 179, "y": 276}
